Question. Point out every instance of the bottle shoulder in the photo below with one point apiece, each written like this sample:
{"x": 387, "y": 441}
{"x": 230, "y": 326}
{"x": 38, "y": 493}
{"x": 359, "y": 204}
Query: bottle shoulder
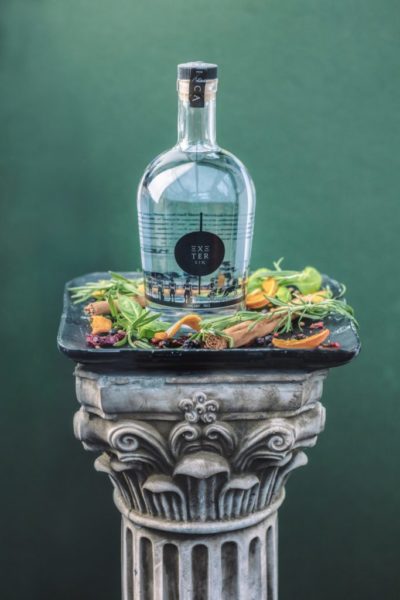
{"x": 218, "y": 163}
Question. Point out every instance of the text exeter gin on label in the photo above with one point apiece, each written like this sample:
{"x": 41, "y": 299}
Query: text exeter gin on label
{"x": 196, "y": 206}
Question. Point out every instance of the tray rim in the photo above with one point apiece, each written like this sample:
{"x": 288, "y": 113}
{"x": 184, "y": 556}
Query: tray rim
{"x": 119, "y": 357}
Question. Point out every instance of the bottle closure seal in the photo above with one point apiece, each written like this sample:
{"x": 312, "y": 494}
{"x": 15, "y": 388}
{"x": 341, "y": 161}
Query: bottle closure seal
{"x": 197, "y": 90}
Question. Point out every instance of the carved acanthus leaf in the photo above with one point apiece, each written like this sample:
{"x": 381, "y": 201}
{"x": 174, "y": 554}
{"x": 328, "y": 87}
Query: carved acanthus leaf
{"x": 199, "y": 468}
{"x": 265, "y": 444}
{"x": 184, "y": 436}
{"x": 201, "y": 430}
{"x": 138, "y": 442}
{"x": 222, "y": 436}
{"x": 202, "y": 465}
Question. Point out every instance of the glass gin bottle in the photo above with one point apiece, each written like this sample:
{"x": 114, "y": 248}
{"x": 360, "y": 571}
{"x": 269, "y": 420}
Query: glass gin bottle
{"x": 196, "y": 206}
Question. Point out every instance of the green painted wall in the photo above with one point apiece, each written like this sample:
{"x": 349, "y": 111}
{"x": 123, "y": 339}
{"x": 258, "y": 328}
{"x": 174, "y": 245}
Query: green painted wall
{"x": 309, "y": 100}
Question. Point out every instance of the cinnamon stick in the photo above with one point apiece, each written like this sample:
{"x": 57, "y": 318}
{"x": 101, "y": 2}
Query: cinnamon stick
{"x": 243, "y": 334}
{"x": 102, "y": 307}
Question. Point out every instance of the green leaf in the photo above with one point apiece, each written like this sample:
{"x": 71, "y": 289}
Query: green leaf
{"x": 309, "y": 281}
{"x": 129, "y": 308}
{"x": 284, "y": 294}
{"x": 148, "y": 329}
{"x": 121, "y": 343}
{"x": 113, "y": 308}
{"x": 145, "y": 317}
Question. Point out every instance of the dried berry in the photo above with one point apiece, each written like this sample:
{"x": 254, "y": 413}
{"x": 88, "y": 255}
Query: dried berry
{"x": 175, "y": 343}
{"x": 104, "y": 341}
{"x": 191, "y": 344}
{"x": 331, "y": 345}
{"x": 317, "y": 325}
{"x": 299, "y": 336}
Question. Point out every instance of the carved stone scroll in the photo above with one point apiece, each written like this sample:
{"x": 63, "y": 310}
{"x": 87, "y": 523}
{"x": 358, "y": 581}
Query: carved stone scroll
{"x": 202, "y": 476}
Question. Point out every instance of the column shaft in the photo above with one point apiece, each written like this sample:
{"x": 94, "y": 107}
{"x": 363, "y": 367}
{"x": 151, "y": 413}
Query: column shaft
{"x": 236, "y": 565}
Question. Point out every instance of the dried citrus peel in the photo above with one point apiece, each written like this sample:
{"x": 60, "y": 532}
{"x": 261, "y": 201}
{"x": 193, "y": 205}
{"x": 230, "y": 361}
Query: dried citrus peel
{"x": 191, "y": 320}
{"x": 160, "y": 336}
{"x": 256, "y": 299}
{"x": 270, "y": 286}
{"x": 310, "y": 342}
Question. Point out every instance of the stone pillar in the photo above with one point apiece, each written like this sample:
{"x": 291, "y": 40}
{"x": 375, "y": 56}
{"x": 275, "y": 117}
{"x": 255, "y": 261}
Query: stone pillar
{"x": 199, "y": 463}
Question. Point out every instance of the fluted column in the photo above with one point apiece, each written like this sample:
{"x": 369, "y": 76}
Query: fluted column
{"x": 199, "y": 463}
{"x": 234, "y": 564}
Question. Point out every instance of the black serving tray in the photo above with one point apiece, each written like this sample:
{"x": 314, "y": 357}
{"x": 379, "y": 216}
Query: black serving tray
{"x": 74, "y": 326}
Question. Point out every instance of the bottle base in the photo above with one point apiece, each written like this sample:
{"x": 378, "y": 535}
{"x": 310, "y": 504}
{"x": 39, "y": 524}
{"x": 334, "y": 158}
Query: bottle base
{"x": 173, "y": 313}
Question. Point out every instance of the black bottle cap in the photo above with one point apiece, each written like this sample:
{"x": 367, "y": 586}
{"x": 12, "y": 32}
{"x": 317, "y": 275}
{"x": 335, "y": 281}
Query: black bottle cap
{"x": 197, "y": 69}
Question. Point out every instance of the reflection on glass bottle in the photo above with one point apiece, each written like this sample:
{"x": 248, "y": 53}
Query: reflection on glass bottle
{"x": 196, "y": 210}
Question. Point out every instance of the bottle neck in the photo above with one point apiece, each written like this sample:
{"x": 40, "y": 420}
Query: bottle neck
{"x": 197, "y": 125}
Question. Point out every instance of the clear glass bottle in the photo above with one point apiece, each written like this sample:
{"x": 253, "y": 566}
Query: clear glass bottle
{"x": 196, "y": 206}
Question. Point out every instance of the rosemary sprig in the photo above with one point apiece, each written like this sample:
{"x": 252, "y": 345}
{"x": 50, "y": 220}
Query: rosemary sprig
{"x": 289, "y": 313}
{"x": 217, "y": 326}
{"x": 104, "y": 289}
{"x": 303, "y": 309}
{"x": 221, "y": 323}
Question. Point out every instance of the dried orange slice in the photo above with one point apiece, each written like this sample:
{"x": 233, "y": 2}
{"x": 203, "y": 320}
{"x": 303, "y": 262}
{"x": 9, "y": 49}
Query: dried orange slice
{"x": 100, "y": 324}
{"x": 270, "y": 286}
{"x": 309, "y": 342}
{"x": 256, "y": 299}
{"x": 315, "y": 298}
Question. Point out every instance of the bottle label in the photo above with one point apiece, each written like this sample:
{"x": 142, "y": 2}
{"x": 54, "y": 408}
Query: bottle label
{"x": 197, "y": 87}
{"x": 199, "y": 252}
{"x": 193, "y": 260}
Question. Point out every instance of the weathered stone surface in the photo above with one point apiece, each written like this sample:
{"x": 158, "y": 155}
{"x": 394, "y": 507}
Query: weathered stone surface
{"x": 154, "y": 393}
{"x": 200, "y": 460}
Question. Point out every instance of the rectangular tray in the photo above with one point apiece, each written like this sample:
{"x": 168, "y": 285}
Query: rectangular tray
{"x": 74, "y": 326}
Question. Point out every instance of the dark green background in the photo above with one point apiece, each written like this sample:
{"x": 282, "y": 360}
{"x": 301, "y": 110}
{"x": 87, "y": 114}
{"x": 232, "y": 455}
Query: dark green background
{"x": 309, "y": 100}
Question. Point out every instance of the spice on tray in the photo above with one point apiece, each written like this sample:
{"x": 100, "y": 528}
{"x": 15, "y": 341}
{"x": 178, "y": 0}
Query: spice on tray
{"x": 247, "y": 332}
{"x": 280, "y": 303}
{"x": 215, "y": 342}
{"x": 102, "y": 307}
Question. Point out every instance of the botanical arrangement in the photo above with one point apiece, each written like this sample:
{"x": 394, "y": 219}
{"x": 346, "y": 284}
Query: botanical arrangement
{"x": 284, "y": 309}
